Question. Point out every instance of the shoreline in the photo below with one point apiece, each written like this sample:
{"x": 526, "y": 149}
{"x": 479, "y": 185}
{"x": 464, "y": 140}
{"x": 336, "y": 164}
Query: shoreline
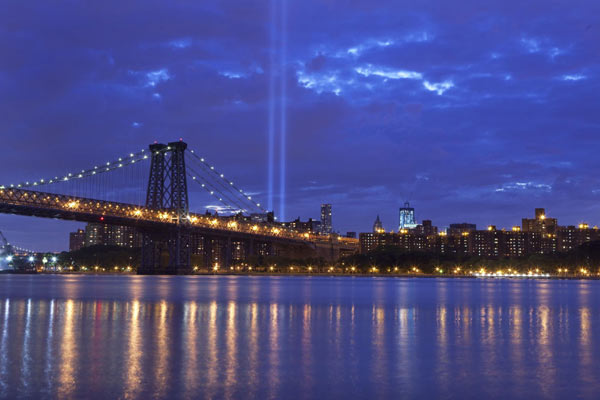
{"x": 333, "y": 275}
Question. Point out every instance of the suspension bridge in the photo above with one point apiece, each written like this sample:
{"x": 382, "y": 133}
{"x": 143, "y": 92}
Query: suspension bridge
{"x": 155, "y": 201}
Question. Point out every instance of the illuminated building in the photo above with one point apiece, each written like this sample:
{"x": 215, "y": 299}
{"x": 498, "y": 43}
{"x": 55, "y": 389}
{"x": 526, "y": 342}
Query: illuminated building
{"x": 570, "y": 237}
{"x": 76, "y": 240}
{"x": 326, "y": 226}
{"x": 407, "y": 217}
{"x": 377, "y": 225}
{"x": 540, "y": 224}
{"x": 111, "y": 235}
{"x": 311, "y": 226}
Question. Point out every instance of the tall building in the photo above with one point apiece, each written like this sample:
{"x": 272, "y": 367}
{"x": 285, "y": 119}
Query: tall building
{"x": 76, "y": 240}
{"x": 326, "y": 226}
{"x": 377, "y": 225}
{"x": 540, "y": 224}
{"x": 407, "y": 217}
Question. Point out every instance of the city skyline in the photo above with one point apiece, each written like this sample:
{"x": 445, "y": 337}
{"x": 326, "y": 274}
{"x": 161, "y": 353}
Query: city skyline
{"x": 377, "y": 113}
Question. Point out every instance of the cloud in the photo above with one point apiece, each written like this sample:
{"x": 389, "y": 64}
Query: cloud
{"x": 180, "y": 43}
{"x": 573, "y": 77}
{"x": 387, "y": 73}
{"x": 520, "y": 186}
{"x": 153, "y": 78}
{"x": 531, "y": 45}
{"x": 439, "y": 88}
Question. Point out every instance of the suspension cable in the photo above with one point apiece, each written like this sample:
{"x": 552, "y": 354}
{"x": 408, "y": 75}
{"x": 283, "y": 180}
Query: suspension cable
{"x": 230, "y": 183}
{"x": 211, "y": 189}
{"x": 131, "y": 159}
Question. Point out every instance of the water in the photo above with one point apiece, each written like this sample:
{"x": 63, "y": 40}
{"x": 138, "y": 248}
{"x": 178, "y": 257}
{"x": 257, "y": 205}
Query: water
{"x": 293, "y": 337}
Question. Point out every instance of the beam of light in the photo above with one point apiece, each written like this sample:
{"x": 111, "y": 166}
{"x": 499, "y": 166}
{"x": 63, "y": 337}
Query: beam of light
{"x": 283, "y": 116}
{"x": 271, "y": 118}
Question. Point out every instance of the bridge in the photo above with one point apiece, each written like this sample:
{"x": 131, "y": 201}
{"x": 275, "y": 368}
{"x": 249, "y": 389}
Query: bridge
{"x": 170, "y": 231}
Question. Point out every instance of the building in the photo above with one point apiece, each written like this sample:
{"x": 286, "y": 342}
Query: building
{"x": 111, "y": 235}
{"x": 311, "y": 226}
{"x": 326, "y": 225}
{"x": 459, "y": 229}
{"x": 407, "y": 217}
{"x": 426, "y": 228}
{"x": 377, "y": 225}
{"x": 570, "y": 237}
{"x": 540, "y": 224}
{"x": 76, "y": 240}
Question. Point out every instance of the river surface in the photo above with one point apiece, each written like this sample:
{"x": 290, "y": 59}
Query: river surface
{"x": 110, "y": 337}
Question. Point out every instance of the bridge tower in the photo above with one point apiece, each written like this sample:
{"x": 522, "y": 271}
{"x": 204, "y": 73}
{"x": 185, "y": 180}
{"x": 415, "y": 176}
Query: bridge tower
{"x": 167, "y": 190}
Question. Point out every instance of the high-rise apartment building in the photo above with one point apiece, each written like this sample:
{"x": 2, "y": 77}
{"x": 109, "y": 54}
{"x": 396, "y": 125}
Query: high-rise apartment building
{"x": 540, "y": 224}
{"x": 111, "y": 235}
{"x": 326, "y": 226}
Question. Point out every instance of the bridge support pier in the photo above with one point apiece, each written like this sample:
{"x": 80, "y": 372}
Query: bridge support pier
{"x": 157, "y": 246}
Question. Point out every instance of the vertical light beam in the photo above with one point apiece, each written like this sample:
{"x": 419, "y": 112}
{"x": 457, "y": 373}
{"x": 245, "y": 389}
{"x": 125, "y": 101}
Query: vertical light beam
{"x": 283, "y": 116}
{"x": 271, "y": 117}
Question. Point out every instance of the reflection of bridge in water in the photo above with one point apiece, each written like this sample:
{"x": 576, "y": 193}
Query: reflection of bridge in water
{"x": 162, "y": 213}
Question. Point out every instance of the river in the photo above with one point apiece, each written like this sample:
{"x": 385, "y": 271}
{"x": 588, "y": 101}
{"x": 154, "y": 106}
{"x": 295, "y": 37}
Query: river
{"x": 232, "y": 337}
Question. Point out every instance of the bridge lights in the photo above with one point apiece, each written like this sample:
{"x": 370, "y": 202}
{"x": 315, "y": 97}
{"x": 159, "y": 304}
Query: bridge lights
{"x": 254, "y": 228}
{"x": 137, "y": 213}
{"x": 31, "y": 259}
{"x": 214, "y": 222}
{"x": 72, "y": 204}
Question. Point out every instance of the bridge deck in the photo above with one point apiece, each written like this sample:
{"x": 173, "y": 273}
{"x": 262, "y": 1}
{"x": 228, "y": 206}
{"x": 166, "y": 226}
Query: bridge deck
{"x": 51, "y": 205}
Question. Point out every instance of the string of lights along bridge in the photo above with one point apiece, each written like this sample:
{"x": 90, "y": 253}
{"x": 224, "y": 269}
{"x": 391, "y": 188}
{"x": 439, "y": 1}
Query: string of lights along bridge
{"x": 155, "y": 200}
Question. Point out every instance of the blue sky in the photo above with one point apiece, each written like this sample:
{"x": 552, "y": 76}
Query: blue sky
{"x": 473, "y": 111}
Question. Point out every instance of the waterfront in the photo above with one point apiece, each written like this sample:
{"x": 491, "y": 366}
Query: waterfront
{"x": 75, "y": 336}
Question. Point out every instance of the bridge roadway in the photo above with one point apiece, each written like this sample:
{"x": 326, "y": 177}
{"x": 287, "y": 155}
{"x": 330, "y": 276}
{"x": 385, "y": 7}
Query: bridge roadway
{"x": 65, "y": 207}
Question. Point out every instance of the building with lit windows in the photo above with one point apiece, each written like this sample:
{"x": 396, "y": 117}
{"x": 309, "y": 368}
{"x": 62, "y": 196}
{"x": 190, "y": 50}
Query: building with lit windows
{"x": 539, "y": 235}
{"x": 326, "y": 225}
{"x": 407, "y": 217}
{"x": 540, "y": 224}
{"x": 76, "y": 240}
{"x": 111, "y": 235}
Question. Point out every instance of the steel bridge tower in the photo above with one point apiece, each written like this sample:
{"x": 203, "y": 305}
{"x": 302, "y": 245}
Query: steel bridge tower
{"x": 167, "y": 190}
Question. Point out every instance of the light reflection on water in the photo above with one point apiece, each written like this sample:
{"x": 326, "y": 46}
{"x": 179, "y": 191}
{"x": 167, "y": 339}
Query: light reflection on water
{"x": 277, "y": 337}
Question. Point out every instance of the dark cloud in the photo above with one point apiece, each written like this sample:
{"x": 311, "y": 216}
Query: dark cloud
{"x": 473, "y": 111}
